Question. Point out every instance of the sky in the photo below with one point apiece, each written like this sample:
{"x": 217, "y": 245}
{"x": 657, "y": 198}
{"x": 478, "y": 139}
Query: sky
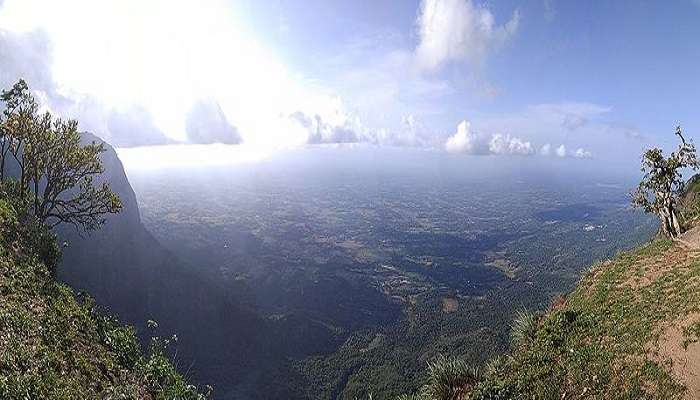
{"x": 569, "y": 80}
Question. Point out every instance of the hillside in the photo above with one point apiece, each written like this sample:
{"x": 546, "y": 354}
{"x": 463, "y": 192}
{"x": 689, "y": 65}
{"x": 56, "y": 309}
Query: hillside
{"x": 631, "y": 329}
{"x": 130, "y": 273}
{"x": 55, "y": 344}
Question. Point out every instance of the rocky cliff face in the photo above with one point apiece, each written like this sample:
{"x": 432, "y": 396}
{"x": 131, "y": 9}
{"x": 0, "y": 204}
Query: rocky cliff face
{"x": 127, "y": 271}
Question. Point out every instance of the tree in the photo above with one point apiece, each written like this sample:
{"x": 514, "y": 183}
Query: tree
{"x": 662, "y": 183}
{"x": 54, "y": 181}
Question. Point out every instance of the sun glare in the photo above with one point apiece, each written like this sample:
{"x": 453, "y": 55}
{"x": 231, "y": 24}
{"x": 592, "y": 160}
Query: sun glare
{"x": 183, "y": 156}
{"x": 164, "y": 56}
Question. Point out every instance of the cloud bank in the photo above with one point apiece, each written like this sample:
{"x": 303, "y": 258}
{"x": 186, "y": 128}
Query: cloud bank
{"x": 562, "y": 152}
{"x": 506, "y": 144}
{"x": 467, "y": 141}
{"x": 320, "y": 131}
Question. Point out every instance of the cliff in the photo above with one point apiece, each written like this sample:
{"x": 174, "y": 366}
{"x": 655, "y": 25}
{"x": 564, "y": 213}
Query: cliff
{"x": 56, "y": 345}
{"x": 130, "y": 273}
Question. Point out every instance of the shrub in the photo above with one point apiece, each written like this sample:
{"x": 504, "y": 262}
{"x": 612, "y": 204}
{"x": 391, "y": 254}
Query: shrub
{"x": 523, "y": 328}
{"x": 449, "y": 379}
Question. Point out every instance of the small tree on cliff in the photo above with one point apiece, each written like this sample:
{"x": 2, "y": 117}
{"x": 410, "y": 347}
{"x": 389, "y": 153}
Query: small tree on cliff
{"x": 54, "y": 181}
{"x": 662, "y": 183}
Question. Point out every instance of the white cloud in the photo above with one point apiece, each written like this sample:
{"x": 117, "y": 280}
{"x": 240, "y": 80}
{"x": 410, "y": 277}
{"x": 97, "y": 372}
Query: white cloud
{"x": 506, "y": 144}
{"x": 581, "y": 153}
{"x": 467, "y": 141}
{"x": 458, "y": 30}
{"x": 560, "y": 151}
{"x": 257, "y": 95}
{"x": 320, "y": 131}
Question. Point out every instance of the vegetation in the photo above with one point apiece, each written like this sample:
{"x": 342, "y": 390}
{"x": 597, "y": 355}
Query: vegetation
{"x": 603, "y": 340}
{"x": 629, "y": 330}
{"x": 690, "y": 202}
{"x": 55, "y": 172}
{"x": 662, "y": 183}
{"x": 56, "y": 345}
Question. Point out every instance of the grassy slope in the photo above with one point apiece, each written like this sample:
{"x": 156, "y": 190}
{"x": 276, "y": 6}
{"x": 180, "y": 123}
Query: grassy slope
{"x": 54, "y": 345}
{"x": 609, "y": 339}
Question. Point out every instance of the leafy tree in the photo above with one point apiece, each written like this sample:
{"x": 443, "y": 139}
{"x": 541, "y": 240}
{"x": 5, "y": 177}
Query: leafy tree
{"x": 55, "y": 177}
{"x": 662, "y": 183}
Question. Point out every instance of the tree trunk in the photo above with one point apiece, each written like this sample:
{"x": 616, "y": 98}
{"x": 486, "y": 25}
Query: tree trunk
{"x": 675, "y": 222}
{"x": 669, "y": 222}
{"x": 664, "y": 225}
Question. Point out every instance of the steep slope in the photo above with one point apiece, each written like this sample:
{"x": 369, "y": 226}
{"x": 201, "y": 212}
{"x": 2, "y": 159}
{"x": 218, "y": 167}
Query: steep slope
{"x": 629, "y": 330}
{"x": 56, "y": 346}
{"x": 127, "y": 270}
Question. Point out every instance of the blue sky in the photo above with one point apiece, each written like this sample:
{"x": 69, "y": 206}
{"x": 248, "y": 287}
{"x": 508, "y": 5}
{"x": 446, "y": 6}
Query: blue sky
{"x": 505, "y": 78}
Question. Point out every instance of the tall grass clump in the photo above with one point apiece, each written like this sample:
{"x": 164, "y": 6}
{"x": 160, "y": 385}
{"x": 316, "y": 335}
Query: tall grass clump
{"x": 449, "y": 379}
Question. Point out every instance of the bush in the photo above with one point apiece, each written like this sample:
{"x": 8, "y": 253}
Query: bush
{"x": 18, "y": 225}
{"x": 523, "y": 328}
{"x": 449, "y": 379}
{"x": 121, "y": 340}
{"x": 56, "y": 345}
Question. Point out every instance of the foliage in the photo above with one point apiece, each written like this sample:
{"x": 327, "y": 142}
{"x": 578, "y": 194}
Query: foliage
{"x": 523, "y": 328}
{"x": 662, "y": 183}
{"x": 449, "y": 379}
{"x": 35, "y": 236}
{"x": 689, "y": 203}
{"x": 596, "y": 344}
{"x": 55, "y": 171}
{"x": 56, "y": 345}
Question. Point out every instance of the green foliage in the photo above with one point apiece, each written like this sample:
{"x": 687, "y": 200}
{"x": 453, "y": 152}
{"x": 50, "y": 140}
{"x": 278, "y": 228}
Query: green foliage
{"x": 662, "y": 183}
{"x": 55, "y": 178}
{"x": 54, "y": 345}
{"x": 449, "y": 379}
{"x": 523, "y": 328}
{"x": 120, "y": 339}
{"x": 39, "y": 241}
{"x": 596, "y": 344}
{"x": 689, "y": 204}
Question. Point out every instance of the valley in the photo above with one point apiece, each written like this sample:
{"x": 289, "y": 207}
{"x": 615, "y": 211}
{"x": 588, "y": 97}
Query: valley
{"x": 363, "y": 275}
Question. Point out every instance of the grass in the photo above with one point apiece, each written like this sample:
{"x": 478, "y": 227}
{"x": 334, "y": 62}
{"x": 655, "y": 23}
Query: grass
{"x": 57, "y": 345}
{"x": 599, "y": 343}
